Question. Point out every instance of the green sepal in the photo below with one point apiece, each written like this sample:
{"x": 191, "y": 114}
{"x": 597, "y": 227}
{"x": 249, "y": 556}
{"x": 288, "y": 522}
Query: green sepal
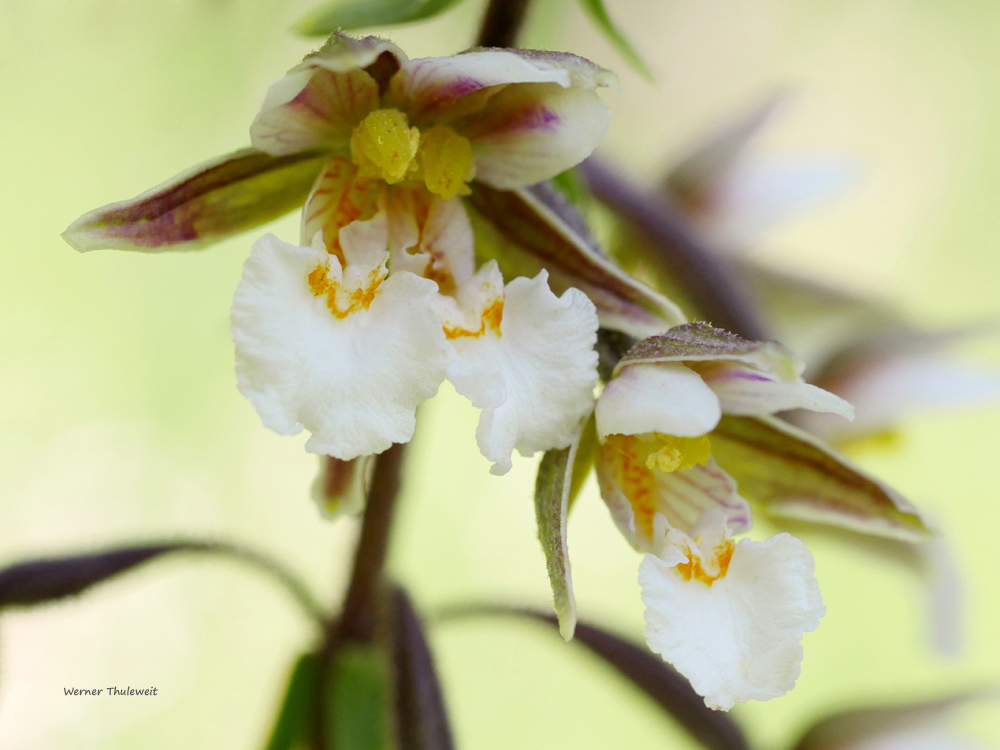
{"x": 792, "y": 474}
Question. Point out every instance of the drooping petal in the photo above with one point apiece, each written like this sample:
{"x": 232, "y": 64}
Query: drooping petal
{"x": 530, "y": 366}
{"x": 340, "y": 487}
{"x": 348, "y": 355}
{"x": 432, "y": 89}
{"x": 744, "y": 390}
{"x": 635, "y": 492}
{"x": 735, "y": 633}
{"x": 320, "y": 101}
{"x": 202, "y": 205}
{"x": 668, "y": 398}
{"x": 532, "y": 132}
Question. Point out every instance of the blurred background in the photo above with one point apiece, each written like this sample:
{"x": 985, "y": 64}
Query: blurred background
{"x": 120, "y": 420}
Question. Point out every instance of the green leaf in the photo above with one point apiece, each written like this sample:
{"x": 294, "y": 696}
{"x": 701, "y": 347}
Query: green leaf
{"x": 291, "y": 730}
{"x": 599, "y": 16}
{"x": 362, "y": 14}
{"x": 552, "y": 488}
{"x": 361, "y": 699}
{"x": 207, "y": 203}
{"x": 795, "y": 475}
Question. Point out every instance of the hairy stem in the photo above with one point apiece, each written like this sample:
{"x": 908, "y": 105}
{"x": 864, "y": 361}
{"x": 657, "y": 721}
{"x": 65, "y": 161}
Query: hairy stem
{"x": 708, "y": 282}
{"x": 502, "y": 23}
{"x": 358, "y": 619}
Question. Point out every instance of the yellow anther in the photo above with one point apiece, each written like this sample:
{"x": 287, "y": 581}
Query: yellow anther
{"x": 446, "y": 162}
{"x": 384, "y": 145}
{"x": 669, "y": 453}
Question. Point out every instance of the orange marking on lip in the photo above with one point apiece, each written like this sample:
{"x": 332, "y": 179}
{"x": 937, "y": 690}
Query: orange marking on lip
{"x": 361, "y": 298}
{"x": 489, "y": 320}
{"x": 693, "y": 568}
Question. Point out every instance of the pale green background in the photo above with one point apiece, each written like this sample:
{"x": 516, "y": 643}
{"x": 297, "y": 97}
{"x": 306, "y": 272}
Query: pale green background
{"x": 119, "y": 417}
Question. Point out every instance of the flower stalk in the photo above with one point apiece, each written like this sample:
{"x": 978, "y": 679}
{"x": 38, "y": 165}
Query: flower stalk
{"x": 502, "y": 23}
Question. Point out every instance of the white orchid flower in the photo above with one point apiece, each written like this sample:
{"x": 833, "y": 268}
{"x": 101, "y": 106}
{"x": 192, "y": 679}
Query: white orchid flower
{"x": 382, "y": 343}
{"x": 728, "y": 615}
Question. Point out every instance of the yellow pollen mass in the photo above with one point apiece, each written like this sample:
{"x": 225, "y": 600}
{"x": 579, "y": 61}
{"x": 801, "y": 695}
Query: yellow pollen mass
{"x": 446, "y": 162}
{"x": 670, "y": 453}
{"x": 384, "y": 145}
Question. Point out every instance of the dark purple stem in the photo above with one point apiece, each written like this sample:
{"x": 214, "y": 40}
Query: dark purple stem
{"x": 502, "y": 23}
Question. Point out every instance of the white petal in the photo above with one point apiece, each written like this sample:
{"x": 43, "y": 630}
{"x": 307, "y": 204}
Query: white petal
{"x": 737, "y": 639}
{"x": 532, "y": 132}
{"x": 745, "y": 390}
{"x": 320, "y": 101}
{"x": 313, "y": 108}
{"x": 354, "y": 382}
{"x": 534, "y": 382}
{"x": 432, "y": 89}
{"x": 666, "y": 397}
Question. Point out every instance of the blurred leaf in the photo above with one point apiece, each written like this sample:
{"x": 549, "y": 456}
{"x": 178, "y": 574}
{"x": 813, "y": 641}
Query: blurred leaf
{"x": 207, "y": 203}
{"x": 43, "y": 580}
{"x": 715, "y": 730}
{"x": 695, "y": 182}
{"x": 537, "y": 228}
{"x": 50, "y": 579}
{"x": 795, "y": 475}
{"x": 361, "y": 14}
{"x": 600, "y": 17}
{"x": 291, "y": 730}
{"x": 853, "y": 727}
{"x": 361, "y": 698}
{"x": 420, "y": 711}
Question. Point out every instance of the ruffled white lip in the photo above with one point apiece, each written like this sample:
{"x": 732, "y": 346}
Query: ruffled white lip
{"x": 352, "y": 376}
{"x": 523, "y": 356}
{"x": 730, "y": 616}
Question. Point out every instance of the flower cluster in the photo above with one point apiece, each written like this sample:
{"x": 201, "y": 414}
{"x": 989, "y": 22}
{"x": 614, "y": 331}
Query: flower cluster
{"x": 346, "y": 332}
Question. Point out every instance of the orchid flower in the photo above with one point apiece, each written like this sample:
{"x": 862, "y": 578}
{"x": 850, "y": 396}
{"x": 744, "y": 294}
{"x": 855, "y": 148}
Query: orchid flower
{"x": 508, "y": 118}
{"x": 728, "y": 615}
{"x": 347, "y": 332}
